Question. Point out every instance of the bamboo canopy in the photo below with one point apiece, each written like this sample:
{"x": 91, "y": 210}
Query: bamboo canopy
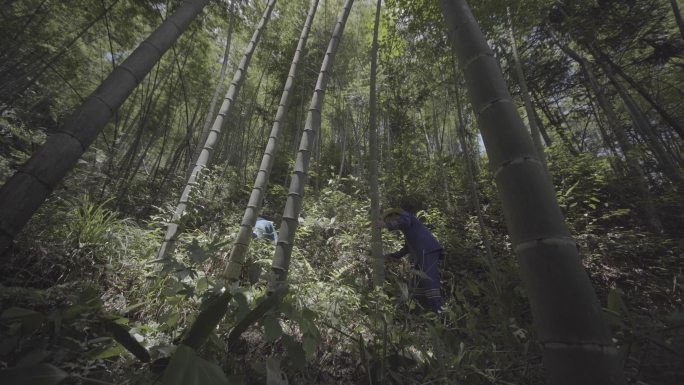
{"x": 26, "y": 190}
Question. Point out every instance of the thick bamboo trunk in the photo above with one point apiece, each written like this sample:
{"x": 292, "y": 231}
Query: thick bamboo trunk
{"x": 26, "y": 190}
{"x": 293, "y": 205}
{"x": 204, "y": 158}
{"x": 237, "y": 255}
{"x": 376, "y": 236}
{"x": 576, "y": 342}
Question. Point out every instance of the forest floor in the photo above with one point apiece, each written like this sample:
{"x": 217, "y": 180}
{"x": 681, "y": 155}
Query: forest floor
{"x": 58, "y": 295}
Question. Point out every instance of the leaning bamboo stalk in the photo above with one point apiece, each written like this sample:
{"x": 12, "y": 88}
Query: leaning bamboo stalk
{"x": 525, "y": 95}
{"x": 208, "y": 319}
{"x": 237, "y": 255}
{"x": 217, "y": 90}
{"x": 576, "y": 343}
{"x": 173, "y": 229}
{"x": 376, "y": 235}
{"x": 288, "y": 226}
{"x": 28, "y": 188}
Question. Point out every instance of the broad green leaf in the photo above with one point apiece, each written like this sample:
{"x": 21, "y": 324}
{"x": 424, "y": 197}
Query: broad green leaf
{"x": 202, "y": 284}
{"x": 187, "y": 368}
{"x": 196, "y": 253}
{"x": 88, "y": 295}
{"x": 17, "y": 312}
{"x": 30, "y": 320}
{"x": 615, "y": 302}
{"x": 133, "y": 307}
{"x": 295, "y": 352}
{"x": 571, "y": 189}
{"x": 115, "y": 318}
{"x": 310, "y": 345}
{"x": 41, "y": 374}
{"x": 272, "y": 328}
{"x": 74, "y": 311}
{"x": 171, "y": 319}
{"x": 112, "y": 351}
{"x": 275, "y": 376}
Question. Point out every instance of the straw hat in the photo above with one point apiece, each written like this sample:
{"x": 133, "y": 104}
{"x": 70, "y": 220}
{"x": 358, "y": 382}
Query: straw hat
{"x": 389, "y": 212}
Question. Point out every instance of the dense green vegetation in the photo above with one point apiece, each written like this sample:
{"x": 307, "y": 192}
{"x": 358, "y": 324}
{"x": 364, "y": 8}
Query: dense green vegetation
{"x": 85, "y": 300}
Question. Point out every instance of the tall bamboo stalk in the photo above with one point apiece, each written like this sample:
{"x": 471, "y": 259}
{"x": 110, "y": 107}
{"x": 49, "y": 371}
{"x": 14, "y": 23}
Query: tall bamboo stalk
{"x": 525, "y": 95}
{"x": 576, "y": 342}
{"x": 678, "y": 17}
{"x": 237, "y": 255}
{"x": 204, "y": 158}
{"x": 208, "y": 319}
{"x": 376, "y": 236}
{"x": 217, "y": 90}
{"x": 288, "y": 226}
{"x": 26, "y": 190}
{"x": 472, "y": 183}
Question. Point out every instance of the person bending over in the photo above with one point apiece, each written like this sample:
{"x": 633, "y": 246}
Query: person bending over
{"x": 425, "y": 251}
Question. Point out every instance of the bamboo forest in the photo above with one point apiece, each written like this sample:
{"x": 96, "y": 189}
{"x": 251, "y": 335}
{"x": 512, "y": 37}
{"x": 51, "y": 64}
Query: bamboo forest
{"x": 407, "y": 192}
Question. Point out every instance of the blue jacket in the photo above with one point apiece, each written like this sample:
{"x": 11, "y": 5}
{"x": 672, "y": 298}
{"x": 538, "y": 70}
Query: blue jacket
{"x": 264, "y": 229}
{"x": 419, "y": 240}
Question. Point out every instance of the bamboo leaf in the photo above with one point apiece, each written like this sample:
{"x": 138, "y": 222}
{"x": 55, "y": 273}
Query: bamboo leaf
{"x": 615, "y": 302}
{"x": 112, "y": 351}
{"x": 275, "y": 376}
{"x": 272, "y": 328}
{"x": 171, "y": 319}
{"x": 196, "y": 253}
{"x": 310, "y": 345}
{"x": 571, "y": 189}
{"x": 295, "y": 352}
{"x": 30, "y": 320}
{"x": 187, "y": 368}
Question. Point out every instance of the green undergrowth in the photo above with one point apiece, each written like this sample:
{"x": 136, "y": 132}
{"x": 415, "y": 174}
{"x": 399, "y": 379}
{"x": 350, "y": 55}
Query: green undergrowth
{"x": 83, "y": 273}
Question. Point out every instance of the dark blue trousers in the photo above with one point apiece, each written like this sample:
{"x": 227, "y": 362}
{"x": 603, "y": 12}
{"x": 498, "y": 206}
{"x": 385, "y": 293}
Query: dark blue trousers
{"x": 427, "y": 288}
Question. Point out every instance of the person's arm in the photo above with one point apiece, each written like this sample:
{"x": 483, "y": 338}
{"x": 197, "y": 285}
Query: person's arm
{"x": 398, "y": 254}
